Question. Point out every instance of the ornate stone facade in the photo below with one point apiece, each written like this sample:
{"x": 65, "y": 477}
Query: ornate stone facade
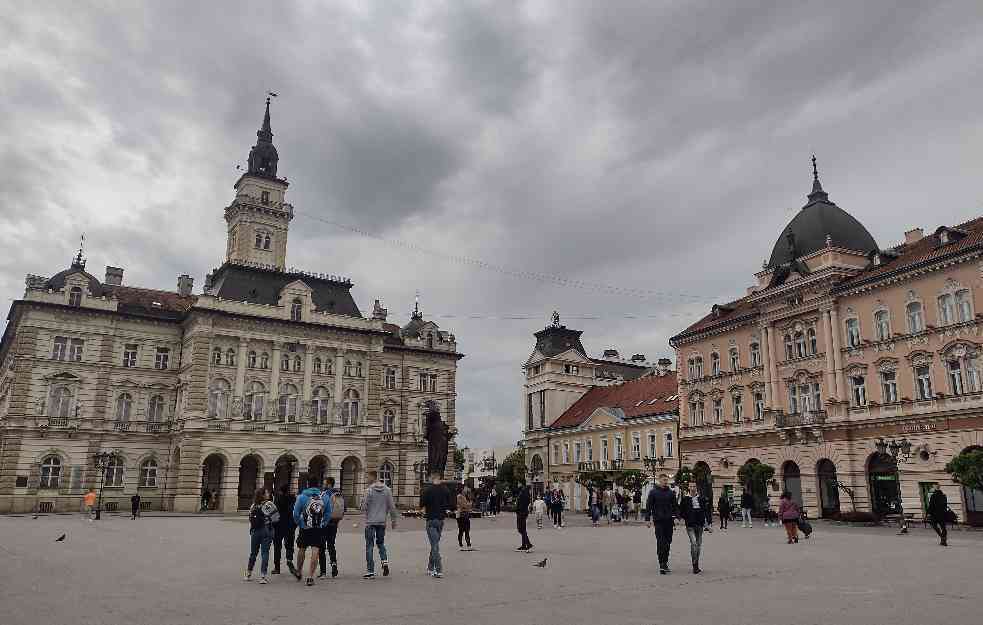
{"x": 266, "y": 376}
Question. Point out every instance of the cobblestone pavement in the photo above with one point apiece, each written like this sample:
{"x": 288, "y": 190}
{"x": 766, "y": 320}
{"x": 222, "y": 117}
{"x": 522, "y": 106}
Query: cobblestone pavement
{"x": 188, "y": 570}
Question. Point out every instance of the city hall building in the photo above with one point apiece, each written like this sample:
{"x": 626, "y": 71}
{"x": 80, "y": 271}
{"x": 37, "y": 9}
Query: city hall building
{"x": 266, "y": 376}
{"x": 840, "y": 347}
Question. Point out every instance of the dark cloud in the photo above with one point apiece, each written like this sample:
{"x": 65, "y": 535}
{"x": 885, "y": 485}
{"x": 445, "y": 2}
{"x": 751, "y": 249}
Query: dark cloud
{"x": 645, "y": 145}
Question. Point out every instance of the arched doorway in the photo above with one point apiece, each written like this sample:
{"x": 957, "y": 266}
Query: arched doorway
{"x": 885, "y": 494}
{"x": 972, "y": 498}
{"x": 284, "y": 471}
{"x": 536, "y": 466}
{"x": 704, "y": 480}
{"x": 349, "y": 481}
{"x": 318, "y": 467}
{"x": 829, "y": 493}
{"x": 249, "y": 473}
{"x": 792, "y": 481}
{"x": 759, "y": 489}
{"x": 212, "y": 477}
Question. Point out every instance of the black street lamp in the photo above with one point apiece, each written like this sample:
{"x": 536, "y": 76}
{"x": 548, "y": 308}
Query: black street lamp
{"x": 896, "y": 450}
{"x": 101, "y": 461}
{"x": 652, "y": 462}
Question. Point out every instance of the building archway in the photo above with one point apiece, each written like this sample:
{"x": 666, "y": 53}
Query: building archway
{"x": 759, "y": 490}
{"x": 284, "y": 472}
{"x": 249, "y": 475}
{"x": 350, "y": 470}
{"x": 703, "y": 477}
{"x": 536, "y": 466}
{"x": 885, "y": 494}
{"x": 212, "y": 481}
{"x": 792, "y": 481}
{"x": 318, "y": 467}
{"x": 972, "y": 499}
{"x": 829, "y": 493}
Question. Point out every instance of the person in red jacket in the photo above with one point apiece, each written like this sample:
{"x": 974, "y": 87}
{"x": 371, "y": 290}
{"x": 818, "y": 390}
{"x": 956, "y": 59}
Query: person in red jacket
{"x": 789, "y": 513}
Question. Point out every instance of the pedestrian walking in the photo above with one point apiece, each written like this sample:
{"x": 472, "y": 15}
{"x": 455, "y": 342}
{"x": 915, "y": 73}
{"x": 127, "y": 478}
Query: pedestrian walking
{"x": 608, "y": 502}
{"x": 377, "y": 505}
{"x": 464, "y": 507}
{"x": 539, "y": 510}
{"x": 493, "y": 502}
{"x": 559, "y": 503}
{"x": 284, "y": 529}
{"x": 747, "y": 504}
{"x": 938, "y": 510}
{"x": 311, "y": 514}
{"x": 329, "y": 552}
{"x": 788, "y": 512}
{"x": 594, "y": 506}
{"x": 134, "y": 506}
{"x": 522, "y": 504}
{"x": 262, "y": 515}
{"x": 692, "y": 509}
{"x": 89, "y": 503}
{"x": 723, "y": 509}
{"x": 435, "y": 500}
{"x": 708, "y": 514}
{"x": 661, "y": 508}
{"x": 636, "y": 503}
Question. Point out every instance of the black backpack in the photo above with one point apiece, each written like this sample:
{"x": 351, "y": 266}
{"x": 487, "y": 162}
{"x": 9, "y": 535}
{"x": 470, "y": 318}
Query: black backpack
{"x": 257, "y": 518}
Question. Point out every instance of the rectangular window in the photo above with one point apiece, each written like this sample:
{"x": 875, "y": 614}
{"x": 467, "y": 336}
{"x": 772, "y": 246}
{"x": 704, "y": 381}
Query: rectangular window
{"x": 604, "y": 449}
{"x": 889, "y": 387}
{"x": 923, "y": 381}
{"x": 852, "y": 333}
{"x": 817, "y": 397}
{"x": 542, "y": 409}
{"x": 972, "y": 375}
{"x": 718, "y": 411}
{"x": 882, "y": 325}
{"x": 390, "y": 378}
{"x": 566, "y": 453}
{"x": 619, "y": 448}
{"x": 636, "y": 445}
{"x": 75, "y": 352}
{"x": 759, "y": 406}
{"x": 955, "y": 376}
{"x": 859, "y": 385}
{"x": 738, "y": 408}
{"x": 577, "y": 453}
{"x": 667, "y": 444}
{"x": 422, "y": 381}
{"x": 556, "y": 453}
{"x": 433, "y": 384}
{"x": 590, "y": 450}
{"x": 529, "y": 419}
{"x": 755, "y": 355}
{"x": 735, "y": 360}
{"x": 160, "y": 360}
{"x": 129, "y": 355}
{"x": 793, "y": 399}
{"x": 652, "y": 451}
{"x": 59, "y": 348}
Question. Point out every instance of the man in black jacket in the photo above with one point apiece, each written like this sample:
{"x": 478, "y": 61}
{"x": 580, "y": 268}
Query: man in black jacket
{"x": 747, "y": 505}
{"x": 938, "y": 506}
{"x": 435, "y": 499}
{"x": 660, "y": 510}
{"x": 522, "y": 502}
{"x": 693, "y": 510}
{"x": 283, "y": 531}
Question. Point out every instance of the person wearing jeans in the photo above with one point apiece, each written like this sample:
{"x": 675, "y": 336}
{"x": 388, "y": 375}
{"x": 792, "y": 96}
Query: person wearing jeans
{"x": 329, "y": 537}
{"x": 260, "y": 537}
{"x": 693, "y": 510}
{"x": 377, "y": 505}
{"x": 747, "y": 504}
{"x": 661, "y": 509}
{"x": 435, "y": 501}
{"x": 284, "y": 529}
{"x": 464, "y": 506}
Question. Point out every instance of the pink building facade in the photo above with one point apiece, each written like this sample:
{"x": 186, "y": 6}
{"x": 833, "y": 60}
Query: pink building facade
{"x": 838, "y": 346}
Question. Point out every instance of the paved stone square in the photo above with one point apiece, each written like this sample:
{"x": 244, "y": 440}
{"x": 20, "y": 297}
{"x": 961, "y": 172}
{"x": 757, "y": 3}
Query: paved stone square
{"x": 170, "y": 569}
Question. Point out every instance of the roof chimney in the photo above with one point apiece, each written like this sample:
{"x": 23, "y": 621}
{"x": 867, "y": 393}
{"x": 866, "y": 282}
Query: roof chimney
{"x": 185, "y": 284}
{"x": 913, "y": 236}
{"x": 610, "y": 353}
{"x": 114, "y": 275}
{"x": 378, "y": 312}
{"x": 638, "y": 358}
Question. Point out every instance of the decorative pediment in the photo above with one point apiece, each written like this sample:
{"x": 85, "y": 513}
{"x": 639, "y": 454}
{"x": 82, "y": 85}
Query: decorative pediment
{"x": 886, "y": 364}
{"x": 735, "y": 389}
{"x": 920, "y": 357}
{"x": 63, "y": 376}
{"x": 603, "y": 416}
{"x": 960, "y": 349}
{"x": 857, "y": 368}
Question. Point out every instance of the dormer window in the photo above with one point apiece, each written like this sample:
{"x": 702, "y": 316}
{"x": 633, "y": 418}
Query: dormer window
{"x": 877, "y": 259}
{"x": 264, "y": 197}
{"x": 944, "y": 237}
{"x": 75, "y": 296}
{"x": 296, "y": 308}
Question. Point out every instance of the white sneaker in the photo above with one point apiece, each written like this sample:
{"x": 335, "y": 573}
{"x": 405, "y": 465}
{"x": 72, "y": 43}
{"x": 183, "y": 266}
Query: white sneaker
{"x": 438, "y": 574}
{"x": 247, "y": 576}
{"x": 264, "y": 580}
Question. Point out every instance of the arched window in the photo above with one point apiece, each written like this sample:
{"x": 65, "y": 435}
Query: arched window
{"x": 61, "y": 402}
{"x": 264, "y": 361}
{"x": 386, "y": 472}
{"x": 252, "y": 408}
{"x": 218, "y": 399}
{"x": 266, "y": 242}
{"x": 882, "y": 325}
{"x": 148, "y": 473}
{"x": 916, "y": 322}
{"x": 317, "y": 366}
{"x": 800, "y": 345}
{"x": 285, "y": 363}
{"x": 389, "y": 380}
{"x": 430, "y": 340}
{"x": 230, "y": 357}
{"x": 75, "y": 296}
{"x": 259, "y": 240}
{"x": 947, "y": 309}
{"x": 349, "y": 415}
{"x": 51, "y": 472}
{"x": 698, "y": 362}
{"x": 964, "y": 305}
{"x": 60, "y": 348}
{"x": 297, "y": 363}
{"x": 388, "y": 422}
{"x": 124, "y": 406}
{"x": 348, "y": 367}
{"x": 287, "y": 403}
{"x": 668, "y": 444}
{"x": 789, "y": 353}
{"x": 714, "y": 363}
{"x": 296, "y": 308}
{"x": 755, "y": 355}
{"x": 321, "y": 402}
{"x": 115, "y": 471}
{"x": 155, "y": 409}
{"x": 735, "y": 359}
{"x": 216, "y": 356}
{"x": 963, "y": 372}
{"x": 738, "y": 403}
{"x": 696, "y": 413}
{"x": 691, "y": 368}
{"x": 251, "y": 360}
{"x": 811, "y": 337}
{"x": 853, "y": 333}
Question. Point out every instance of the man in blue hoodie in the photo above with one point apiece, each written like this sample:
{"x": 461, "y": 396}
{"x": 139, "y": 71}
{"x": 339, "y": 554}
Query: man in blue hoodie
{"x": 311, "y": 514}
{"x": 330, "y": 534}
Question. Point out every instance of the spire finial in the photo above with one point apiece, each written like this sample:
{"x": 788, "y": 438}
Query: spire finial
{"x": 416, "y": 305}
{"x": 556, "y": 319}
{"x": 817, "y": 189}
{"x": 815, "y": 171}
{"x": 79, "y": 262}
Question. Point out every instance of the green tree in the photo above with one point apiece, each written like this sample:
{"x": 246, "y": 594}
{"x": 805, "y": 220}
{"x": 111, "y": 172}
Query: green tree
{"x": 683, "y": 476}
{"x": 512, "y": 471}
{"x": 631, "y": 479}
{"x": 593, "y": 479}
{"x": 459, "y": 462}
{"x": 756, "y": 475}
{"x": 967, "y": 469}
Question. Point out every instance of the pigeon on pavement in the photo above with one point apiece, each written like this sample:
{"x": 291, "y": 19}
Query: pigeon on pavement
{"x": 542, "y": 563}
{"x": 60, "y": 538}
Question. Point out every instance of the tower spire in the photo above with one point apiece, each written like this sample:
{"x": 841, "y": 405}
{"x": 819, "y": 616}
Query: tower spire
{"x": 265, "y": 133}
{"x": 79, "y": 261}
{"x": 263, "y": 157}
{"x": 817, "y": 188}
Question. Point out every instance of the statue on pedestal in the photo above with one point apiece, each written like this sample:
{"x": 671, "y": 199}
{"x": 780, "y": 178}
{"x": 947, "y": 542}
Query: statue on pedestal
{"x": 438, "y": 437}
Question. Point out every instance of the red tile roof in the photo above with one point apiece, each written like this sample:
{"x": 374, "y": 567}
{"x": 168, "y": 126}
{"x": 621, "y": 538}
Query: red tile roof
{"x": 723, "y": 314}
{"x": 634, "y": 398}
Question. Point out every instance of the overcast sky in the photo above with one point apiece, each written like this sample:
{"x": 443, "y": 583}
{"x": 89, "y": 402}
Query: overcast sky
{"x": 656, "y": 146}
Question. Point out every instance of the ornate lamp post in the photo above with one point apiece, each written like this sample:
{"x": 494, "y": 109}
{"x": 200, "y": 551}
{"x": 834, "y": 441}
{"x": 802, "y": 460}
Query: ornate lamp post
{"x": 896, "y": 450}
{"x": 652, "y": 462}
{"x": 101, "y": 461}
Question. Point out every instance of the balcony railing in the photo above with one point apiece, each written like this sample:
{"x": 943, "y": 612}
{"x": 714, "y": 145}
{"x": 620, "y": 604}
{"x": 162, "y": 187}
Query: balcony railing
{"x": 814, "y": 417}
{"x": 121, "y": 426}
{"x": 57, "y": 422}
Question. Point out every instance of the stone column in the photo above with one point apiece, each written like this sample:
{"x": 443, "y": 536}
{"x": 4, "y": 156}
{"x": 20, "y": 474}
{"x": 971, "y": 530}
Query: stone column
{"x": 834, "y": 320}
{"x": 308, "y": 371}
{"x": 241, "y": 369}
{"x": 830, "y": 369}
{"x": 773, "y": 367}
{"x": 766, "y": 365}
{"x": 275, "y": 381}
{"x": 339, "y": 370}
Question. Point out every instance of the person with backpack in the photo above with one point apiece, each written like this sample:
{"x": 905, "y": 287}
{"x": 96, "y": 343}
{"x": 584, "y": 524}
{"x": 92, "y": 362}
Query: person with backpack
{"x": 723, "y": 509}
{"x": 311, "y": 514}
{"x": 435, "y": 500}
{"x": 330, "y": 535}
{"x": 377, "y": 505}
{"x": 284, "y": 530}
{"x": 262, "y": 516}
